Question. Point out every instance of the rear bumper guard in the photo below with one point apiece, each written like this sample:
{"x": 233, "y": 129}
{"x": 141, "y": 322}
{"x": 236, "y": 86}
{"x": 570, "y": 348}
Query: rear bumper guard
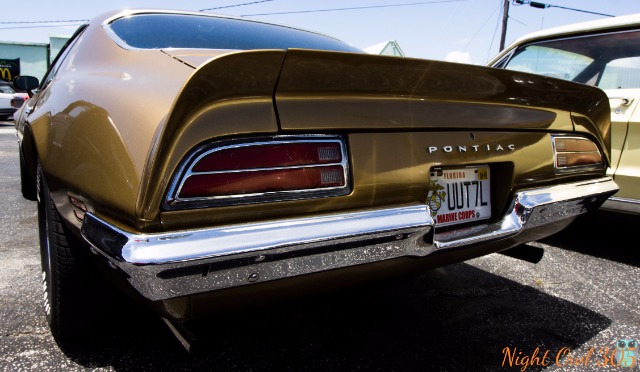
{"x": 167, "y": 265}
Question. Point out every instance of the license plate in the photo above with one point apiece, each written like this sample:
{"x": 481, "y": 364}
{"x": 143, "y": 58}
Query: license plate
{"x": 459, "y": 195}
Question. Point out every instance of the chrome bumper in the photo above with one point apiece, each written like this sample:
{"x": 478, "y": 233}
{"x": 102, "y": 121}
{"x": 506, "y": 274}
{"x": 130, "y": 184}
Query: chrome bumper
{"x": 167, "y": 265}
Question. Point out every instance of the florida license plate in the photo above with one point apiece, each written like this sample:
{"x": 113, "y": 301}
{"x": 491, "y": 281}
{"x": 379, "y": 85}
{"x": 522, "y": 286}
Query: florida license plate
{"x": 459, "y": 195}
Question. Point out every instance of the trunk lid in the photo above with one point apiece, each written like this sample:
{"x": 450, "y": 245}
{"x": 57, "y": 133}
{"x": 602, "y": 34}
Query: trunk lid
{"x": 328, "y": 91}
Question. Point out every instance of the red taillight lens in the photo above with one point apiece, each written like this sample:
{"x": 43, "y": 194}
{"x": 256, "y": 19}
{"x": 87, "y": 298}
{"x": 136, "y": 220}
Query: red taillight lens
{"x": 288, "y": 169}
{"x": 269, "y": 156}
{"x": 262, "y": 181}
{"x": 17, "y": 102}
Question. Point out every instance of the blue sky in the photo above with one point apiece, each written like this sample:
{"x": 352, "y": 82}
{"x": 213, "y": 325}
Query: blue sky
{"x": 460, "y": 30}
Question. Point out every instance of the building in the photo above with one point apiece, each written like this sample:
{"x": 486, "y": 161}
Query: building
{"x": 387, "y": 48}
{"x": 23, "y": 58}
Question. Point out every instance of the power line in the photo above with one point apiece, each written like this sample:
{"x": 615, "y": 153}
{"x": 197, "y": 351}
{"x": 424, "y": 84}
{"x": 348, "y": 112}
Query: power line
{"x": 86, "y": 20}
{"x": 489, "y": 18}
{"x": 505, "y": 13}
{"x": 237, "y": 5}
{"x": 353, "y": 8}
{"x": 535, "y": 4}
{"x": 41, "y": 22}
{"x": 24, "y": 27}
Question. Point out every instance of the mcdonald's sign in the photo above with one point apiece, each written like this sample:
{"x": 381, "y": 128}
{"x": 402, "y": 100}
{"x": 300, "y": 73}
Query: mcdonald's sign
{"x": 9, "y": 69}
{"x": 5, "y": 74}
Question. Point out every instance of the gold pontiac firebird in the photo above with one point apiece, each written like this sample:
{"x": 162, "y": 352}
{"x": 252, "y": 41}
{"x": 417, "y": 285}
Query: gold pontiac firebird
{"x": 198, "y": 160}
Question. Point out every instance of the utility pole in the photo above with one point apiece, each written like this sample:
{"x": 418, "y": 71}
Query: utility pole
{"x": 505, "y": 19}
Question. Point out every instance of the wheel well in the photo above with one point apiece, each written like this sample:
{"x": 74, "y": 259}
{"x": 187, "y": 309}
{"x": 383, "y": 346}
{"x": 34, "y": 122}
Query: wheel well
{"x": 29, "y": 153}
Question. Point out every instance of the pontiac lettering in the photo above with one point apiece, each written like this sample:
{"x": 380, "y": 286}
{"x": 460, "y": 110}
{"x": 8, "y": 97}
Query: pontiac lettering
{"x": 471, "y": 148}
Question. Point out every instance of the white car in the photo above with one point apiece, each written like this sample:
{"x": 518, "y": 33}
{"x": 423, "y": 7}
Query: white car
{"x": 603, "y": 53}
{"x": 10, "y": 100}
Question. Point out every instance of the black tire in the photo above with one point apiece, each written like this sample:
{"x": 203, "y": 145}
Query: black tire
{"x": 27, "y": 185}
{"x": 66, "y": 285}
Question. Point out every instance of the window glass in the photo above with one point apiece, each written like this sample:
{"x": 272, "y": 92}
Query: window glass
{"x": 621, "y": 74}
{"x": 607, "y": 60}
{"x": 154, "y": 31}
{"x": 6, "y": 89}
{"x": 549, "y": 62}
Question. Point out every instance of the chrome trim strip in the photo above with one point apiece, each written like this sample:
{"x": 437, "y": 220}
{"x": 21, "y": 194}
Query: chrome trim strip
{"x": 625, "y": 200}
{"x": 167, "y": 265}
{"x": 621, "y": 205}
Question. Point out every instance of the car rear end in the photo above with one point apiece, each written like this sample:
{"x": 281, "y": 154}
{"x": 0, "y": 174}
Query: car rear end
{"x": 200, "y": 170}
{"x": 324, "y": 164}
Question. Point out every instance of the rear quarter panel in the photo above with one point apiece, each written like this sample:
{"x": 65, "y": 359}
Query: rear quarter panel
{"x": 95, "y": 123}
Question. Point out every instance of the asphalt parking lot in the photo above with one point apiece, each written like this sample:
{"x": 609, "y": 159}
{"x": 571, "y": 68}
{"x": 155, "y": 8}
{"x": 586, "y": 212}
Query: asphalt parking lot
{"x": 494, "y": 313}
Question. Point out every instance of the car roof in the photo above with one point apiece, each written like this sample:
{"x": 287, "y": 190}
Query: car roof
{"x": 627, "y": 22}
{"x": 604, "y": 24}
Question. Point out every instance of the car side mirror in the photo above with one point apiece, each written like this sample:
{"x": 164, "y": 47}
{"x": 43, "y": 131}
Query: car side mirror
{"x": 26, "y": 83}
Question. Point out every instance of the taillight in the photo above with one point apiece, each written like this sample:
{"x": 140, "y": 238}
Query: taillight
{"x": 17, "y": 102}
{"x": 270, "y": 156}
{"x": 575, "y": 153}
{"x": 278, "y": 169}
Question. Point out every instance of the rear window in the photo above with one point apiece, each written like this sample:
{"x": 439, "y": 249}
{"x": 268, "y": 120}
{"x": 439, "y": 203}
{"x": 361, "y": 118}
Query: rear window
{"x": 621, "y": 73}
{"x": 548, "y": 61}
{"x": 608, "y": 60}
{"x": 159, "y": 31}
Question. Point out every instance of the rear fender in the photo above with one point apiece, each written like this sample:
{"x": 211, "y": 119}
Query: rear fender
{"x": 230, "y": 95}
